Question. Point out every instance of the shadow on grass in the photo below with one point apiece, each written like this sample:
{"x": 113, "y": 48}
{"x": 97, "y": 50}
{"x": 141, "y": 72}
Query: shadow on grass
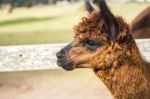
{"x": 26, "y": 20}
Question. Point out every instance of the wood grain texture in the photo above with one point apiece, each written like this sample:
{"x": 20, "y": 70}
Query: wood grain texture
{"x": 43, "y": 57}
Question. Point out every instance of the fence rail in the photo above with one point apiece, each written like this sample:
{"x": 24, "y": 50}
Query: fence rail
{"x": 43, "y": 57}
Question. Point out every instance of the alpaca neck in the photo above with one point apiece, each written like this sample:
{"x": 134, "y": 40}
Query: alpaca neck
{"x": 130, "y": 80}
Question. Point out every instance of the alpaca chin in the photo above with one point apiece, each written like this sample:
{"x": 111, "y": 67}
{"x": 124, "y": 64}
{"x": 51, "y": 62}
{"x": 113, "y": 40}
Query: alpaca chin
{"x": 65, "y": 65}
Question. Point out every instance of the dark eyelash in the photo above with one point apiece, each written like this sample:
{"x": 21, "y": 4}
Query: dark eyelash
{"x": 91, "y": 44}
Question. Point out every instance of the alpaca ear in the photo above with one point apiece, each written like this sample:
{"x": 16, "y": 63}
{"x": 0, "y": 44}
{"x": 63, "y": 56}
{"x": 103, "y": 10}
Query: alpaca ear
{"x": 89, "y": 7}
{"x": 110, "y": 23}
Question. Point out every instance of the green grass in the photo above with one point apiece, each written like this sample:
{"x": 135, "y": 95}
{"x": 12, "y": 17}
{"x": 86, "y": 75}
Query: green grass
{"x": 51, "y": 24}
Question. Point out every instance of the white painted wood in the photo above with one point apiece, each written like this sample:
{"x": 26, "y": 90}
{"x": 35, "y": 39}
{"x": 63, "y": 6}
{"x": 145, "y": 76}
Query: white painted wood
{"x": 43, "y": 57}
{"x": 30, "y": 57}
{"x": 144, "y": 47}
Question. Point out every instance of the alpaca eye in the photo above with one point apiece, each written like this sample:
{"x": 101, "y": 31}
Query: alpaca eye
{"x": 91, "y": 44}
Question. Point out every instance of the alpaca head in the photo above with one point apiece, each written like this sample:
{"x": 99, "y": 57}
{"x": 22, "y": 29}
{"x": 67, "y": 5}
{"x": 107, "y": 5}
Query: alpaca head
{"x": 99, "y": 40}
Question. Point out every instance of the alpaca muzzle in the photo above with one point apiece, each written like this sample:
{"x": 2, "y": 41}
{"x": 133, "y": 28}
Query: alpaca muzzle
{"x": 62, "y": 61}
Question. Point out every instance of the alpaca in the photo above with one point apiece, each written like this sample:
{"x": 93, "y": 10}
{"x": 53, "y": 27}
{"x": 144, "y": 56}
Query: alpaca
{"x": 141, "y": 25}
{"x": 104, "y": 43}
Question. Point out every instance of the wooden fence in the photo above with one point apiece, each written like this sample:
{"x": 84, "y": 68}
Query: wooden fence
{"x": 43, "y": 57}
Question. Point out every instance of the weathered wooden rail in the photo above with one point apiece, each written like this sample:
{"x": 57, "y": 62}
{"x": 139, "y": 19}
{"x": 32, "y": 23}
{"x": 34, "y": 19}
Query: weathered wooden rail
{"x": 42, "y": 57}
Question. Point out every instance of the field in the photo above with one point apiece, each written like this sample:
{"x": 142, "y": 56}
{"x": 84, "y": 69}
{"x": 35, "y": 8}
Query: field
{"x": 51, "y": 24}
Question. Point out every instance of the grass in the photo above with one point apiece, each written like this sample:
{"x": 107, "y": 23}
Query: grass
{"x": 51, "y": 24}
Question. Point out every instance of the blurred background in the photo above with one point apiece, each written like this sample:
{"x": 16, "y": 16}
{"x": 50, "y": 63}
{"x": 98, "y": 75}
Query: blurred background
{"x": 24, "y": 22}
{"x": 47, "y": 21}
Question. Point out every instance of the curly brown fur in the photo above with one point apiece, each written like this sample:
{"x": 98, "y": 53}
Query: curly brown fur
{"x": 91, "y": 28}
{"x": 119, "y": 66}
{"x": 117, "y": 62}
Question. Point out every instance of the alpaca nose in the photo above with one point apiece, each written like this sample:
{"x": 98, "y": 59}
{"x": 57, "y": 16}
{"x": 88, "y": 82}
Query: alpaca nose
{"x": 60, "y": 54}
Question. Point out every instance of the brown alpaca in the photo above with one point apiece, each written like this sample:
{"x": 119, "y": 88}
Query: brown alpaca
{"x": 104, "y": 42}
{"x": 141, "y": 25}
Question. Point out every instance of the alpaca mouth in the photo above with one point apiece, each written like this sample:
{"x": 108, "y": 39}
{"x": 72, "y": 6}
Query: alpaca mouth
{"x": 65, "y": 65}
